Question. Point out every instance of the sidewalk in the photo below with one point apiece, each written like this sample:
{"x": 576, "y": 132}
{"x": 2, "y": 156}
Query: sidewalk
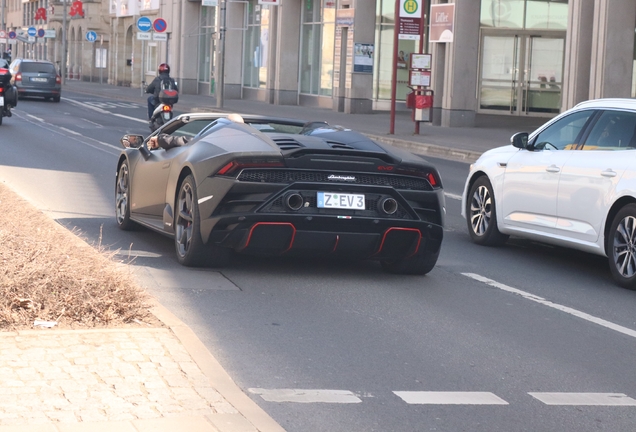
{"x": 463, "y": 144}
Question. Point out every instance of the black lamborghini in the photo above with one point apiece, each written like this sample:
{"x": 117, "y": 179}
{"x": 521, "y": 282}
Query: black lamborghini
{"x": 273, "y": 186}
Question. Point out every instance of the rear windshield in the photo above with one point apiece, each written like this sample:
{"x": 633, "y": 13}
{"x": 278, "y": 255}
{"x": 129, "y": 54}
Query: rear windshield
{"x": 37, "y": 67}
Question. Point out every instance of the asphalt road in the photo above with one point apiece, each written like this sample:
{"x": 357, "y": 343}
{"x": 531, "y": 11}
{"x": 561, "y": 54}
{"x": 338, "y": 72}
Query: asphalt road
{"x": 525, "y": 337}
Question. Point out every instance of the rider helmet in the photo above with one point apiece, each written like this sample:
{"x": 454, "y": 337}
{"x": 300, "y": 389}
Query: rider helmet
{"x": 163, "y": 67}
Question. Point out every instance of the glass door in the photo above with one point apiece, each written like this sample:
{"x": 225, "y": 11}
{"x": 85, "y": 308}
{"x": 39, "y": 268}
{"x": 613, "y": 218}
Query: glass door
{"x": 521, "y": 74}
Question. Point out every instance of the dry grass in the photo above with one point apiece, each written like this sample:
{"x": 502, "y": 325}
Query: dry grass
{"x": 47, "y": 273}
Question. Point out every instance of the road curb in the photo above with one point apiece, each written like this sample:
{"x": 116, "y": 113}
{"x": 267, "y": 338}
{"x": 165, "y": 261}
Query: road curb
{"x": 221, "y": 380}
{"x": 428, "y": 149}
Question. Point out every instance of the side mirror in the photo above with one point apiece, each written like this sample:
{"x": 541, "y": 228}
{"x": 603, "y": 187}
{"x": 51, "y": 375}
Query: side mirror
{"x": 131, "y": 141}
{"x": 520, "y": 140}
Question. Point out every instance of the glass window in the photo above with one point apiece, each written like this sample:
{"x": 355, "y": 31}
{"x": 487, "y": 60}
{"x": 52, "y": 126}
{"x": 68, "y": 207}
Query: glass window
{"x": 565, "y": 133}
{"x": 256, "y": 45}
{"x": 502, "y": 13}
{"x": 317, "y": 51}
{"x": 151, "y": 58}
{"x": 614, "y": 130}
{"x": 382, "y": 71}
{"x": 206, "y": 44}
{"x": 529, "y": 14}
{"x": 541, "y": 14}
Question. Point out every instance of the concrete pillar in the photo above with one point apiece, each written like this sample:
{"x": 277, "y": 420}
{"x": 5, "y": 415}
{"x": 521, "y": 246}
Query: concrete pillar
{"x": 578, "y": 43}
{"x": 287, "y": 53}
{"x": 188, "y": 46}
{"x": 235, "y": 20}
{"x": 438, "y": 55}
{"x": 612, "y": 48}
{"x": 459, "y": 100}
{"x": 359, "y": 98}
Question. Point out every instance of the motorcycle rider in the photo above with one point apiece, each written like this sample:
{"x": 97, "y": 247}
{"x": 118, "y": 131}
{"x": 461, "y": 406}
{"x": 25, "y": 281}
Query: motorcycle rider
{"x": 155, "y": 87}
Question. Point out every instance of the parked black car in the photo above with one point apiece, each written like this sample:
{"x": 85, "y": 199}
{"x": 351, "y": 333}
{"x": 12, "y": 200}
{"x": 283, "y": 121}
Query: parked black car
{"x": 36, "y": 78}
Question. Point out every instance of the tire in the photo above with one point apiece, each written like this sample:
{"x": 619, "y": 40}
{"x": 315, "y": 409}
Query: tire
{"x": 481, "y": 214}
{"x": 56, "y": 98}
{"x": 191, "y": 251}
{"x": 621, "y": 247}
{"x": 122, "y": 198}
{"x": 416, "y": 265}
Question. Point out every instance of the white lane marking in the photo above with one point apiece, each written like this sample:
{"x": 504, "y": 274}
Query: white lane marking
{"x": 541, "y": 300}
{"x": 35, "y": 118}
{"x": 99, "y": 110}
{"x": 52, "y": 127}
{"x": 453, "y": 196}
{"x": 82, "y": 104}
{"x": 597, "y": 399}
{"x": 307, "y": 395}
{"x": 450, "y": 398}
{"x": 130, "y": 118}
{"x": 69, "y": 131}
{"x": 132, "y": 253}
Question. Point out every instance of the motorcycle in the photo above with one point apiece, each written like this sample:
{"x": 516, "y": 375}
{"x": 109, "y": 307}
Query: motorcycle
{"x": 8, "y": 94}
{"x": 163, "y": 112}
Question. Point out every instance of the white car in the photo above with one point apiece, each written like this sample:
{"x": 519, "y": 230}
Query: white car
{"x": 571, "y": 183}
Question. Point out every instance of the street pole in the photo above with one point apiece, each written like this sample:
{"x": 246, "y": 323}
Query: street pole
{"x": 2, "y": 26}
{"x": 220, "y": 82}
{"x": 64, "y": 47}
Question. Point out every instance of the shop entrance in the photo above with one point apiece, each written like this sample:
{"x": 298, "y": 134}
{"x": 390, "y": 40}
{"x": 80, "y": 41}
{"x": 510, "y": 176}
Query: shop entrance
{"x": 521, "y": 73}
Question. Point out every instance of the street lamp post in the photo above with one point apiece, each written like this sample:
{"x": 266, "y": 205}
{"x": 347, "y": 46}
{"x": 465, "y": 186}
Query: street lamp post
{"x": 64, "y": 47}
{"x": 220, "y": 82}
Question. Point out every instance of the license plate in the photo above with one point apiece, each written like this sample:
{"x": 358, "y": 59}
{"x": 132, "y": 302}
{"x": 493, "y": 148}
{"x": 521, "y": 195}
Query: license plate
{"x": 340, "y": 200}
{"x": 1, "y": 101}
{"x": 39, "y": 79}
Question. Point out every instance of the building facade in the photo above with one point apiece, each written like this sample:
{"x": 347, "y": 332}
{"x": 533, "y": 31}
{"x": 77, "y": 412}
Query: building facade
{"x": 507, "y": 57}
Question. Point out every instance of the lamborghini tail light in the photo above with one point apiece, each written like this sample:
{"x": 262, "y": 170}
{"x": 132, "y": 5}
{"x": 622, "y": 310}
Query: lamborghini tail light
{"x": 235, "y": 166}
{"x": 432, "y": 178}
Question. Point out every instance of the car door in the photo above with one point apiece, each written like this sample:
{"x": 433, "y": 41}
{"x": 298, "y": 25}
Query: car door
{"x": 589, "y": 178}
{"x": 148, "y": 186}
{"x": 531, "y": 180}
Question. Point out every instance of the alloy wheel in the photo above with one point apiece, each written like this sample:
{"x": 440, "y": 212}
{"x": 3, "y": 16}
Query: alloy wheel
{"x": 480, "y": 210}
{"x": 184, "y": 219}
{"x": 624, "y": 247}
{"x": 121, "y": 194}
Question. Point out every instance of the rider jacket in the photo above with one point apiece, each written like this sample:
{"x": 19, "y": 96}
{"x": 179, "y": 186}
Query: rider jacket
{"x": 155, "y": 86}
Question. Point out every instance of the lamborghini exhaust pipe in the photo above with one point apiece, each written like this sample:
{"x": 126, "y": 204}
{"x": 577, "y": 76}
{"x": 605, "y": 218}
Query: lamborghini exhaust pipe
{"x": 389, "y": 206}
{"x": 294, "y": 201}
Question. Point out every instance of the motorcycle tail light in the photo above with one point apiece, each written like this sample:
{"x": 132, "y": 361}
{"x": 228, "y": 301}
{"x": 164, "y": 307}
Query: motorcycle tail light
{"x": 166, "y": 108}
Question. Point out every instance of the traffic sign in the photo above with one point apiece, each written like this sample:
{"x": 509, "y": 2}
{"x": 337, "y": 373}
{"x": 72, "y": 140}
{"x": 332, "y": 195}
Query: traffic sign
{"x": 91, "y": 36}
{"x": 40, "y": 33}
{"x": 160, "y": 25}
{"x": 32, "y": 31}
{"x": 144, "y": 24}
{"x": 3, "y": 34}
{"x": 12, "y": 35}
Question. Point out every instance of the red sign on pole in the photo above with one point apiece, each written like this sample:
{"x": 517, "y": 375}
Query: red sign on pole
{"x": 40, "y": 14}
